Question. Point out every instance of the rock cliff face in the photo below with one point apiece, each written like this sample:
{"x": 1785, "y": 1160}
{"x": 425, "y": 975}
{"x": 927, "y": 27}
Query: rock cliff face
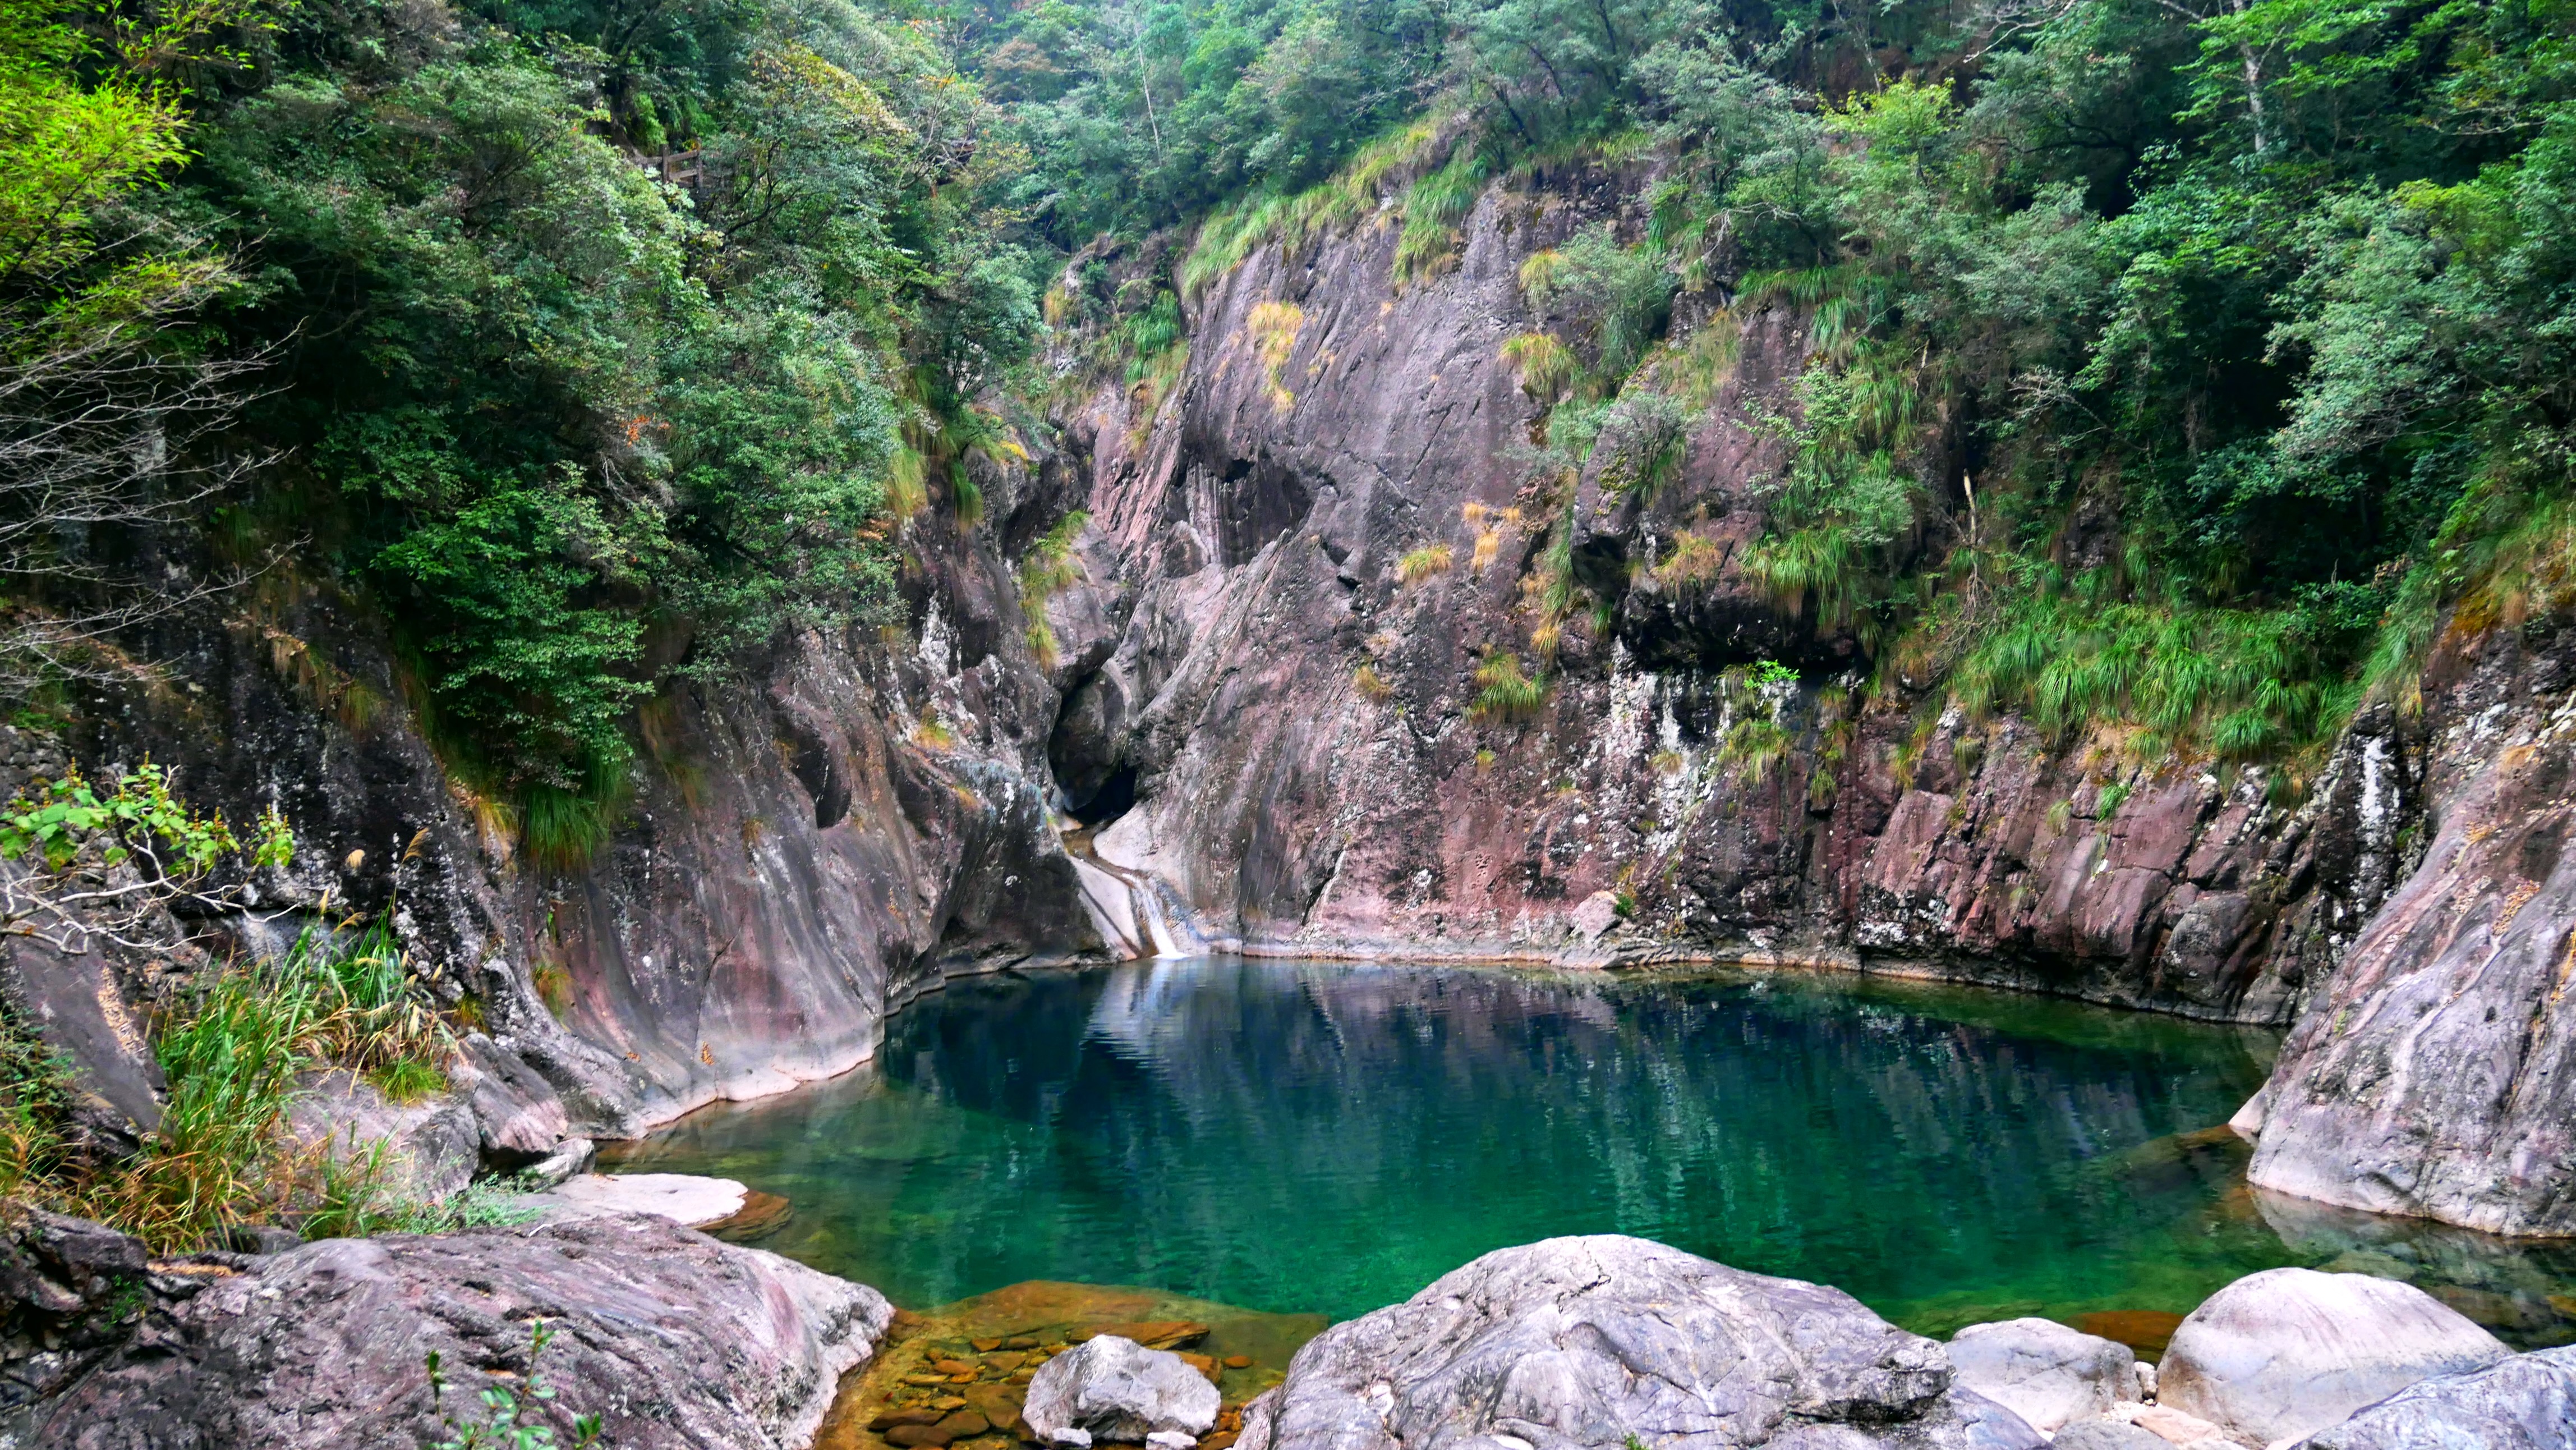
{"x": 1293, "y": 723}
{"x": 807, "y": 847}
{"x": 2436, "y": 1076}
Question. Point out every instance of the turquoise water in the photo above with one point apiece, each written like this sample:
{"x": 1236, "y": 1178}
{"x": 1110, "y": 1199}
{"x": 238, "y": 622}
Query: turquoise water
{"x": 1327, "y": 1137}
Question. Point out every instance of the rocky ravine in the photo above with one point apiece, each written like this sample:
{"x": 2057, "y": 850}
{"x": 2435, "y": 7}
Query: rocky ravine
{"x": 860, "y": 815}
{"x": 1242, "y": 551}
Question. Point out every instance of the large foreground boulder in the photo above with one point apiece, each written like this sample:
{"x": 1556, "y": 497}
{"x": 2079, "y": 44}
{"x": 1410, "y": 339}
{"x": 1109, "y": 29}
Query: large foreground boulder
{"x": 2287, "y": 1352}
{"x": 1582, "y": 1343}
{"x": 2043, "y": 1371}
{"x": 2526, "y": 1403}
{"x": 1112, "y": 1389}
{"x": 676, "y": 1339}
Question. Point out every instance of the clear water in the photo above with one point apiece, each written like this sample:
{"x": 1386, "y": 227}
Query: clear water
{"x": 1322, "y": 1137}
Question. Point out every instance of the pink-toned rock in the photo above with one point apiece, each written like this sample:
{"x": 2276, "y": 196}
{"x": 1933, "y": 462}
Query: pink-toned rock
{"x": 1598, "y": 913}
{"x": 2436, "y": 1076}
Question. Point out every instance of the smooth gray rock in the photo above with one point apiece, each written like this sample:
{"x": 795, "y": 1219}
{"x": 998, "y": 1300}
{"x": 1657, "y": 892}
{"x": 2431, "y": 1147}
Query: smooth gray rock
{"x": 424, "y": 1151}
{"x": 2287, "y": 1352}
{"x": 2526, "y": 1403}
{"x": 571, "y": 1158}
{"x": 683, "y": 1343}
{"x": 1112, "y": 1389}
{"x": 2108, "y": 1434}
{"x": 1584, "y": 1342}
{"x": 2043, "y": 1371}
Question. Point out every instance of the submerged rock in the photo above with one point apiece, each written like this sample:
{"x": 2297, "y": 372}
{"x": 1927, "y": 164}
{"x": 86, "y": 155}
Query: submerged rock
{"x": 1586, "y": 1342}
{"x": 2287, "y": 1352}
{"x": 1110, "y": 1388}
{"x": 2043, "y": 1371}
{"x": 681, "y": 1342}
{"x": 689, "y": 1201}
{"x": 2527, "y": 1402}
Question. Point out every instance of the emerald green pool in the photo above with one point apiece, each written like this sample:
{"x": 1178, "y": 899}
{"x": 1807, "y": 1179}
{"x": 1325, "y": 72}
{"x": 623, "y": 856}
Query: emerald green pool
{"x": 1325, "y": 1137}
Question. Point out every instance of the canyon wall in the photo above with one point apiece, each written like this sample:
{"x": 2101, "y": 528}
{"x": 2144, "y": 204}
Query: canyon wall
{"x": 1263, "y": 738}
{"x": 1293, "y": 722}
{"x": 807, "y": 846}
{"x": 2436, "y": 1074}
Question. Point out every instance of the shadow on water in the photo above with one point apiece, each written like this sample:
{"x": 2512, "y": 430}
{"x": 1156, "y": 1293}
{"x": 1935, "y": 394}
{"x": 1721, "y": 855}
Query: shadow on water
{"x": 1310, "y": 1137}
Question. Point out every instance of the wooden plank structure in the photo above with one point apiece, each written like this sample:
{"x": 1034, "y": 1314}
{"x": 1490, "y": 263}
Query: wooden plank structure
{"x": 679, "y": 168}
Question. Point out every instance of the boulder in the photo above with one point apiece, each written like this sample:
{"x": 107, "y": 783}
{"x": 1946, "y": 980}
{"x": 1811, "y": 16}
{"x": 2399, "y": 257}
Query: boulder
{"x": 421, "y": 1152}
{"x": 681, "y": 1342}
{"x": 1111, "y": 1388}
{"x": 1588, "y": 1342}
{"x": 2527, "y": 1402}
{"x": 2043, "y": 1371}
{"x": 571, "y": 1158}
{"x": 2287, "y": 1352}
{"x": 68, "y": 1296}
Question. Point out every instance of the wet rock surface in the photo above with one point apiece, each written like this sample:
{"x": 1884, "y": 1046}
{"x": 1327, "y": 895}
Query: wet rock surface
{"x": 1589, "y": 1341}
{"x": 675, "y": 1339}
{"x": 2287, "y": 1352}
{"x": 2525, "y": 1403}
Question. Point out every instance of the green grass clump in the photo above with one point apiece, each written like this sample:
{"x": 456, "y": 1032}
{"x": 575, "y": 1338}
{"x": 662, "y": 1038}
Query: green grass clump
{"x": 354, "y": 1202}
{"x": 1426, "y": 562}
{"x": 2236, "y": 684}
{"x": 1505, "y": 692}
{"x": 563, "y": 829}
{"x": 231, "y": 1052}
{"x": 1349, "y": 197}
{"x": 1433, "y": 210}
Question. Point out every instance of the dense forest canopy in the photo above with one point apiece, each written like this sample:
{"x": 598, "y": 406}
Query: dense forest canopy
{"x": 597, "y": 342}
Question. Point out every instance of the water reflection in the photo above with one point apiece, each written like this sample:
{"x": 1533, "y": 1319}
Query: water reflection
{"x": 1325, "y": 1137}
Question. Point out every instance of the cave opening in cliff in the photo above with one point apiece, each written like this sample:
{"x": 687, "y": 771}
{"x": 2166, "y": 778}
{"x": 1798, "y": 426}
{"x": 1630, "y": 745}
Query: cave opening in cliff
{"x": 1115, "y": 797}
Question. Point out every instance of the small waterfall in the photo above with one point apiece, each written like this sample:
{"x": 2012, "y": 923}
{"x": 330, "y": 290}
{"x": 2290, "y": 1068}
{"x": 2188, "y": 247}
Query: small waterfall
{"x": 1167, "y": 932}
{"x": 1130, "y": 912}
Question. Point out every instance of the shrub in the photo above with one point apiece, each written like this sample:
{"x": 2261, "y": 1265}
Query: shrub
{"x": 231, "y": 1052}
{"x": 503, "y": 1421}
